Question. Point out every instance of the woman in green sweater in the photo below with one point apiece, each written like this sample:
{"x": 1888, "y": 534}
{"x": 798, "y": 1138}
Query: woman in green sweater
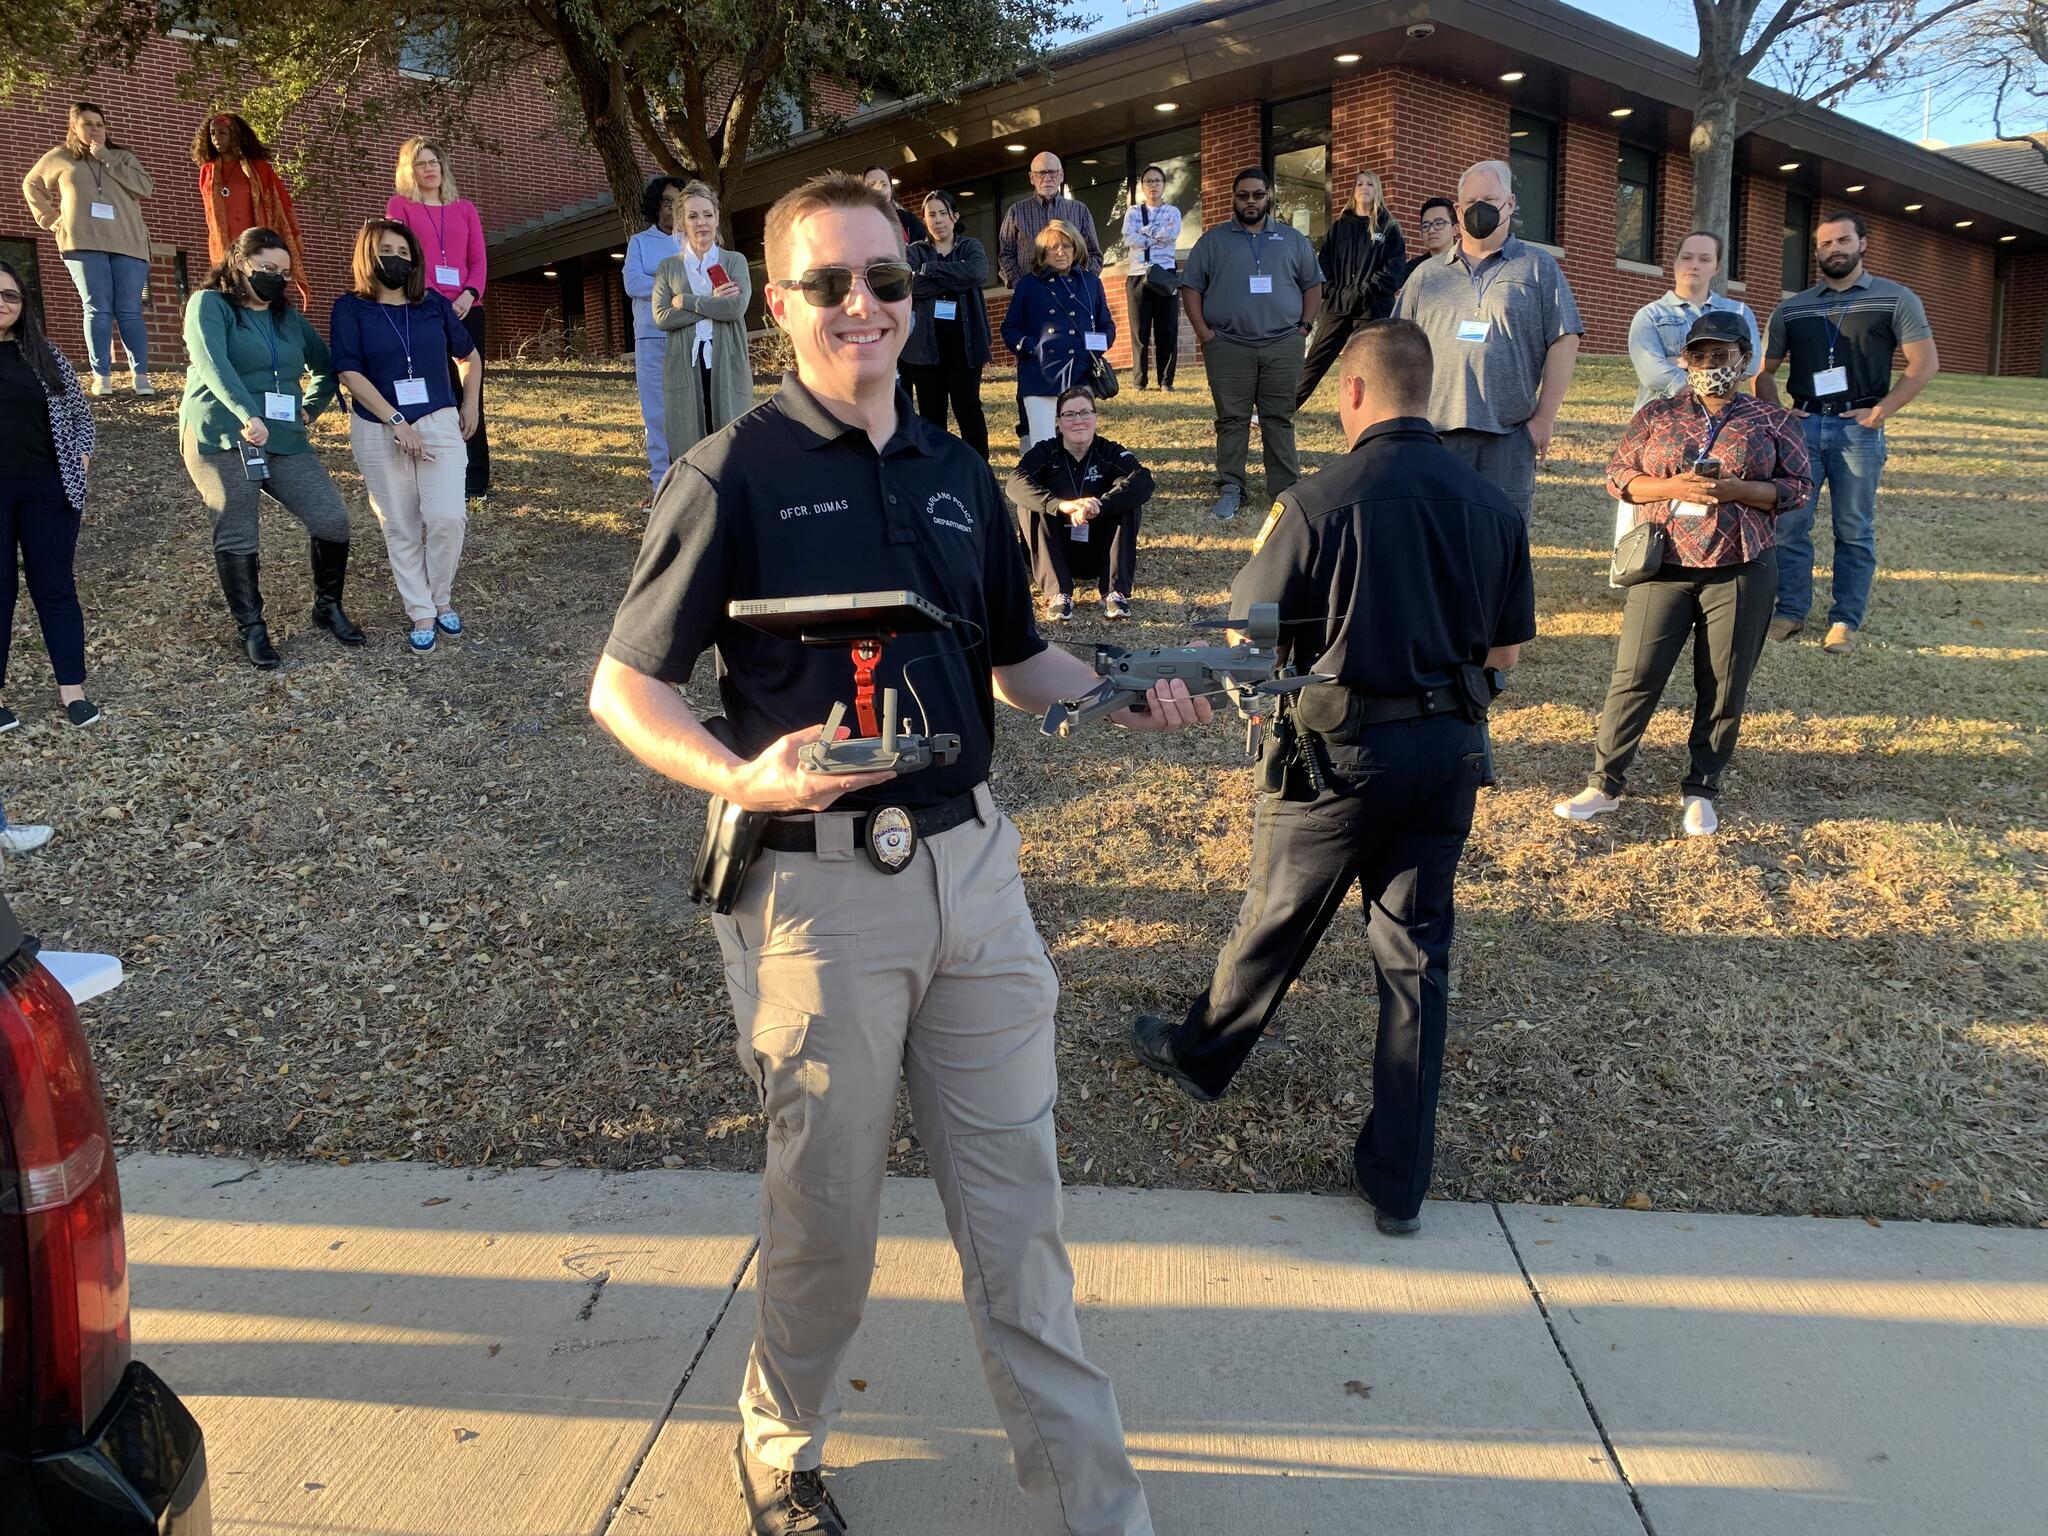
{"x": 242, "y": 428}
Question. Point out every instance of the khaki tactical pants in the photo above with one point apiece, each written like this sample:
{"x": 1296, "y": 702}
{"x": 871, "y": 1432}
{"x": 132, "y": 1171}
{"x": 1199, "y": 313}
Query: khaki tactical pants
{"x": 841, "y": 978}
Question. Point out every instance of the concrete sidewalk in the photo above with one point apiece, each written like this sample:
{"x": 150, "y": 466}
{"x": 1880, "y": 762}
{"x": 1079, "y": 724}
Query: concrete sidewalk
{"x": 396, "y": 1350}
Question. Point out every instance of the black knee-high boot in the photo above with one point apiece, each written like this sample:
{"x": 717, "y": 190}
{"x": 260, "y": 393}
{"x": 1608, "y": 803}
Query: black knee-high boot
{"x": 330, "y": 575}
{"x": 245, "y": 601}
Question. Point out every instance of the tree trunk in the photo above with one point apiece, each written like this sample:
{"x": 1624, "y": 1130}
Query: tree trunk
{"x": 608, "y": 121}
{"x": 1713, "y": 171}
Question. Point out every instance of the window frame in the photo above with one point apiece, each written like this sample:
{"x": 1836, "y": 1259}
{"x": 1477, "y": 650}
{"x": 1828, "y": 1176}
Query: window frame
{"x": 1269, "y": 155}
{"x": 1801, "y": 238}
{"x": 1550, "y": 127}
{"x": 1645, "y": 251}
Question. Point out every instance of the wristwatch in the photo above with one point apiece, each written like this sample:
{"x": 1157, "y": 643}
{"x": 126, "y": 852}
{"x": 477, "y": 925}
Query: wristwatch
{"x": 396, "y": 419}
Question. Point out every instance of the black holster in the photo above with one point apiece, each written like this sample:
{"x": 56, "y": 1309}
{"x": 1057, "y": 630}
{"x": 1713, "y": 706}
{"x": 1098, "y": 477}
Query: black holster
{"x": 1475, "y": 693}
{"x": 732, "y": 837}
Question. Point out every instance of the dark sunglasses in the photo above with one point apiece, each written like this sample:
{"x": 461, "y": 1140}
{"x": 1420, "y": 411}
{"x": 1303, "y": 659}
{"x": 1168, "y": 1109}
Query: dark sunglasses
{"x": 827, "y": 287}
{"x": 1253, "y": 197}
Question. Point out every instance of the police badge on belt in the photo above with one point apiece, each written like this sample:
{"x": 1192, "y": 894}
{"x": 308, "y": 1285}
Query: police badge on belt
{"x": 891, "y": 839}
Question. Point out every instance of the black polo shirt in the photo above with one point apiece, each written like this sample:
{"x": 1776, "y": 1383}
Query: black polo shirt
{"x": 1394, "y": 565}
{"x": 1860, "y": 328}
{"x": 789, "y": 501}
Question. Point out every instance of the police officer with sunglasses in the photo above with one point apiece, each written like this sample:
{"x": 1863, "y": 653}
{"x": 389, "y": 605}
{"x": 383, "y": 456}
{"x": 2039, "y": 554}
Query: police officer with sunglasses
{"x": 846, "y": 972}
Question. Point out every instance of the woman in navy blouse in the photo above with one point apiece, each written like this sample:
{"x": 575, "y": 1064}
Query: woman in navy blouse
{"x": 1057, "y": 323}
{"x": 393, "y": 341}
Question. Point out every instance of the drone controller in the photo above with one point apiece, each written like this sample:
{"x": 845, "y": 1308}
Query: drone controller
{"x": 864, "y": 622}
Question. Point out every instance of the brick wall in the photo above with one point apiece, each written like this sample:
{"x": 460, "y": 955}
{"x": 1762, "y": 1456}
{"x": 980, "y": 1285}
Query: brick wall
{"x": 531, "y": 173}
{"x": 2026, "y": 313}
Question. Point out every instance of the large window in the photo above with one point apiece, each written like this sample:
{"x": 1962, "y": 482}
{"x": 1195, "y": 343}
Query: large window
{"x": 1635, "y": 204}
{"x": 1298, "y": 150}
{"x": 1532, "y": 156}
{"x": 1798, "y": 242}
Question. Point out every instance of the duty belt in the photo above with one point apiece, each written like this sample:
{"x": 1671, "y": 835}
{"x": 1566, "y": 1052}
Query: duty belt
{"x": 1836, "y": 407}
{"x": 799, "y": 834}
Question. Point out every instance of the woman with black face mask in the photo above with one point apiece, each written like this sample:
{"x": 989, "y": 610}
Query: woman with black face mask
{"x": 242, "y": 429}
{"x": 394, "y": 341}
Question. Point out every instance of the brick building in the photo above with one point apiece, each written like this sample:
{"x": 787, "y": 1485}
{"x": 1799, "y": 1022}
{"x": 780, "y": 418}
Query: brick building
{"x": 1593, "y": 118}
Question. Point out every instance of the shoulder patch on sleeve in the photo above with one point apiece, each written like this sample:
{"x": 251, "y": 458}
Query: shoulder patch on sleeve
{"x": 1272, "y": 521}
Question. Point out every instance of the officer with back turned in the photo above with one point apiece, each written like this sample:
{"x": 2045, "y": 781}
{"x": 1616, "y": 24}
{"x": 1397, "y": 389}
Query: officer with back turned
{"x": 1404, "y": 574}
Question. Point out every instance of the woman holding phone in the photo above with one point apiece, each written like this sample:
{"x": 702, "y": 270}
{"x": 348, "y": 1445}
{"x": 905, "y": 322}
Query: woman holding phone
{"x": 700, "y": 300}
{"x": 1712, "y": 468}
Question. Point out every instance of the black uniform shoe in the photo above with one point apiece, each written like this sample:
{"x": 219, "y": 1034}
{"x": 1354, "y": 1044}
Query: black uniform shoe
{"x": 783, "y": 1503}
{"x": 1151, "y": 1042}
{"x": 82, "y": 712}
{"x": 330, "y": 575}
{"x": 238, "y": 585}
{"x": 1389, "y": 1226}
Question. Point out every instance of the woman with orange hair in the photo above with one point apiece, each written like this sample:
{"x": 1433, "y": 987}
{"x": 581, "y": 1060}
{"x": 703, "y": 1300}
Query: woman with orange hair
{"x": 242, "y": 190}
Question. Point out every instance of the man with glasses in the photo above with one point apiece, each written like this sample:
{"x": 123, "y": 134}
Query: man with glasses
{"x": 1438, "y": 224}
{"x": 883, "y": 930}
{"x": 1023, "y": 221}
{"x": 1252, "y": 288}
{"x": 1505, "y": 330}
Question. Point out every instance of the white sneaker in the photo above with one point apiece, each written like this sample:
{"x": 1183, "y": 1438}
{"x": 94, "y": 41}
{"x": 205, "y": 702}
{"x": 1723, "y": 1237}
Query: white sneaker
{"x": 1587, "y": 804}
{"x": 143, "y": 387}
{"x": 20, "y": 839}
{"x": 1700, "y": 820}
{"x": 103, "y": 383}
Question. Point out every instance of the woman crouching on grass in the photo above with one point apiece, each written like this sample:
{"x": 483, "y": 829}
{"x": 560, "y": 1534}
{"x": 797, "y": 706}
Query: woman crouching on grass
{"x": 393, "y": 342}
{"x": 1079, "y": 500}
{"x": 1713, "y": 469}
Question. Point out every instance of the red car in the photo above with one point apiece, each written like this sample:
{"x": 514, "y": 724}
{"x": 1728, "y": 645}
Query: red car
{"x": 92, "y": 1443}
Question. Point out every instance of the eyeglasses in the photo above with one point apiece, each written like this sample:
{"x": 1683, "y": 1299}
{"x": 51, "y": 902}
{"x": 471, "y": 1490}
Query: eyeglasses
{"x": 10, "y": 296}
{"x": 827, "y": 287}
{"x": 1040, "y": 175}
{"x": 1436, "y": 224}
{"x": 1252, "y": 197}
{"x": 1077, "y": 415}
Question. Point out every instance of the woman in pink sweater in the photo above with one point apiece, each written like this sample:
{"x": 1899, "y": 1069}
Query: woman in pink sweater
{"x": 451, "y": 238}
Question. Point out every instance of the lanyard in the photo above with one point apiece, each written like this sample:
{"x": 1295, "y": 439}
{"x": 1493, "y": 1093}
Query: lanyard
{"x": 1715, "y": 424}
{"x": 1833, "y": 320}
{"x": 440, "y": 229}
{"x": 270, "y": 335}
{"x": 99, "y": 181}
{"x": 407, "y": 339}
{"x": 1258, "y": 261}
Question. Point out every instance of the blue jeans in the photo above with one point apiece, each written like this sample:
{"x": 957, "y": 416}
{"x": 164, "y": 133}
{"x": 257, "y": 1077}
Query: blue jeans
{"x": 110, "y": 286}
{"x": 1847, "y": 460}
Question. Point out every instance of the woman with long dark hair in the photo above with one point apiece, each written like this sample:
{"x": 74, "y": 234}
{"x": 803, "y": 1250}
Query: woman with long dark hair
{"x": 242, "y": 427}
{"x": 46, "y": 444}
{"x": 240, "y": 190}
{"x": 949, "y": 343}
{"x": 87, "y": 192}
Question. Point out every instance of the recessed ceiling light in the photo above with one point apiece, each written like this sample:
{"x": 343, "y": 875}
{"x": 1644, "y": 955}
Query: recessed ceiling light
{"x": 1091, "y": 162}
{"x": 1165, "y": 106}
{"x": 895, "y": 181}
{"x": 618, "y": 255}
{"x": 551, "y": 272}
{"x": 1016, "y": 149}
{"x": 1857, "y": 188}
{"x": 1519, "y": 133}
{"x": 1623, "y": 112}
{"x": 1964, "y": 223}
{"x": 1914, "y": 207}
{"x": 2007, "y": 239}
{"x": 967, "y": 193}
{"x": 1789, "y": 165}
{"x": 1513, "y": 77}
{"x": 1349, "y": 58}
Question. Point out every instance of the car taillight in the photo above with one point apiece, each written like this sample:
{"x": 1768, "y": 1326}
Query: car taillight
{"x": 60, "y": 1206}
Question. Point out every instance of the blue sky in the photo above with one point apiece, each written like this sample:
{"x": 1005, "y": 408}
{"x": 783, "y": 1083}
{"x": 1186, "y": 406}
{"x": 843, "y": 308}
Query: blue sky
{"x": 1959, "y": 115}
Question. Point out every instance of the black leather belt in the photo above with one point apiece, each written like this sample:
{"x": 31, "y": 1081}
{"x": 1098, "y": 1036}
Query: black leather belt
{"x": 1380, "y": 709}
{"x": 1836, "y": 407}
{"x": 799, "y": 834}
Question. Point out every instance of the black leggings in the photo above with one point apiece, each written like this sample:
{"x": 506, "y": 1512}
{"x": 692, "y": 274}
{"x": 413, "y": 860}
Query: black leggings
{"x": 950, "y": 380}
{"x": 476, "y": 481}
{"x": 1155, "y": 318}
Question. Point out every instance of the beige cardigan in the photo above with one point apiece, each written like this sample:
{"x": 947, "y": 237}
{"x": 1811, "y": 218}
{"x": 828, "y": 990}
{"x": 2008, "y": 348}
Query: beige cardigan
{"x": 60, "y": 192}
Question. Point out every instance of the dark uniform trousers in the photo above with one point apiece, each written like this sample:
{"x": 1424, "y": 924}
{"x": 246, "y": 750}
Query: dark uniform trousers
{"x": 1394, "y": 820}
{"x": 1155, "y": 322}
{"x": 1108, "y": 556}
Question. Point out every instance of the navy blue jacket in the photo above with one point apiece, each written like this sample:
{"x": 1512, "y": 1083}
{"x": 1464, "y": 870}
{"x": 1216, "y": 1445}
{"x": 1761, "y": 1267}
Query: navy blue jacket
{"x": 1047, "y": 325}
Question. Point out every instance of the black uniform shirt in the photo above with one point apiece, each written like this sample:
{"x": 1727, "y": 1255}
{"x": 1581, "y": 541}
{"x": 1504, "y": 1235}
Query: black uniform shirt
{"x": 1857, "y": 329}
{"x": 1393, "y": 565}
{"x": 789, "y": 501}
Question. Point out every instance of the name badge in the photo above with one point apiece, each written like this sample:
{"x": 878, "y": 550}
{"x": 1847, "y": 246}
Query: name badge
{"x": 1079, "y": 532}
{"x": 412, "y": 391}
{"x": 945, "y": 309}
{"x": 277, "y": 407}
{"x": 1095, "y": 341}
{"x": 1262, "y": 282}
{"x": 448, "y": 277}
{"x": 103, "y": 210}
{"x": 1688, "y": 509}
{"x": 1830, "y": 381}
{"x": 1474, "y": 330}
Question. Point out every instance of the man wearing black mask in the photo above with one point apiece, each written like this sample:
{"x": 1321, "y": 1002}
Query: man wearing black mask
{"x": 1505, "y": 330}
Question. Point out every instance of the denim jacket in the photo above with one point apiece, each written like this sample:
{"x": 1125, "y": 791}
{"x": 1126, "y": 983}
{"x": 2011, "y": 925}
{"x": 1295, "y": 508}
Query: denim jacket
{"x": 1657, "y": 334}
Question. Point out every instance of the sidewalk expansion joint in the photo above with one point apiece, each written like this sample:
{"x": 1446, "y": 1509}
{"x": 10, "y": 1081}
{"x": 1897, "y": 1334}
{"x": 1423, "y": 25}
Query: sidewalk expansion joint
{"x": 632, "y": 1474}
{"x": 1557, "y": 1343}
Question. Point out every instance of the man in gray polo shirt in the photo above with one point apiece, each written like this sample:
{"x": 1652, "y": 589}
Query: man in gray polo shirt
{"x": 1505, "y": 329}
{"x": 1252, "y": 288}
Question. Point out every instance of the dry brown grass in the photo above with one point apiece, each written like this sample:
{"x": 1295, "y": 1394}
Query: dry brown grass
{"x": 377, "y": 906}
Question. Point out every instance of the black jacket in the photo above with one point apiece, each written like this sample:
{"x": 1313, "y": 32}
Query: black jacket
{"x": 959, "y": 275}
{"x": 1364, "y": 275}
{"x": 1048, "y": 475}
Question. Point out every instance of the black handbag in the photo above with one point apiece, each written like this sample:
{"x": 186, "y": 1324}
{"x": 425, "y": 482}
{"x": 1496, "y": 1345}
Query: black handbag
{"x": 1164, "y": 281}
{"x": 1102, "y": 382}
{"x": 1638, "y": 554}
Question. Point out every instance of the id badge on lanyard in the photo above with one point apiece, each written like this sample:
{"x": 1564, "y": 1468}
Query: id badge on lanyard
{"x": 279, "y": 406}
{"x": 1833, "y": 379}
{"x": 945, "y": 309}
{"x": 411, "y": 391}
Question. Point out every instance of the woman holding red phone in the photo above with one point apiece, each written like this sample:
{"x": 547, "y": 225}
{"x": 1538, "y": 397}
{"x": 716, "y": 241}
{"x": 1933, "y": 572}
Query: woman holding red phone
{"x": 700, "y": 300}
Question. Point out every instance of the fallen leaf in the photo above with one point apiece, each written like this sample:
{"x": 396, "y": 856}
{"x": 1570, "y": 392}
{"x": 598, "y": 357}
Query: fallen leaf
{"x": 856, "y": 1383}
{"x": 437, "y": 1200}
{"x": 493, "y": 1349}
{"x": 463, "y": 1436}
{"x": 1636, "y": 1202}
{"x": 1358, "y": 1389}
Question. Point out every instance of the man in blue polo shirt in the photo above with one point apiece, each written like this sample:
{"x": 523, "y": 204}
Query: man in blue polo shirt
{"x": 1841, "y": 335}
